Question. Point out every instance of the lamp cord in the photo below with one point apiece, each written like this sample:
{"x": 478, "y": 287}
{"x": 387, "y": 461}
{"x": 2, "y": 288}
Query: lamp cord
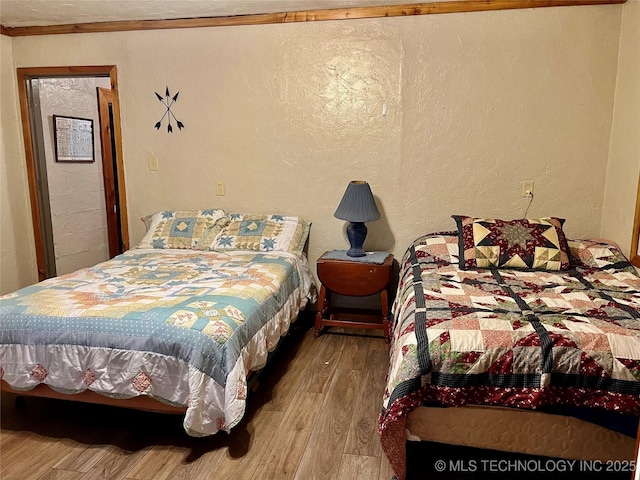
{"x": 528, "y": 205}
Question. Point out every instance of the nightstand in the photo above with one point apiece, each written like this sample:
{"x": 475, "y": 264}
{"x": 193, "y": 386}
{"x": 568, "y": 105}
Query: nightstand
{"x": 353, "y": 278}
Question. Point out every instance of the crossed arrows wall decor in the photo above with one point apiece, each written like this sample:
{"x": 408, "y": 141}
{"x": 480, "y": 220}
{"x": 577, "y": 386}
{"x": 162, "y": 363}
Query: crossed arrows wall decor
{"x": 168, "y": 102}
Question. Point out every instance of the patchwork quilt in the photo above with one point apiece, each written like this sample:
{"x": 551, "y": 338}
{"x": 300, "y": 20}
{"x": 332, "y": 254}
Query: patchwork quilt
{"x": 516, "y": 338}
{"x": 182, "y": 326}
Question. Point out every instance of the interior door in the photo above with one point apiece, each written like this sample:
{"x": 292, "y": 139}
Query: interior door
{"x": 109, "y": 169}
{"x": 114, "y": 141}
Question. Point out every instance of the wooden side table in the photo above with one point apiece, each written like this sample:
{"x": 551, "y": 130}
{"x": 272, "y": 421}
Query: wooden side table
{"x": 353, "y": 279}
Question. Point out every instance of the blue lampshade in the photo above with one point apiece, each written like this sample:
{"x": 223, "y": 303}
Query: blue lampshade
{"x": 357, "y": 204}
{"x": 356, "y": 207}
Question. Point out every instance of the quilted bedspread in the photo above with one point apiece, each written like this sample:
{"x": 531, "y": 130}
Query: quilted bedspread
{"x": 513, "y": 338}
{"x": 184, "y": 327}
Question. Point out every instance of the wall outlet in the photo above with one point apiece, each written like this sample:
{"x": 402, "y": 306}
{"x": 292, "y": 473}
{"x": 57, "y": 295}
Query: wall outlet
{"x": 527, "y": 188}
{"x": 219, "y": 188}
{"x": 153, "y": 162}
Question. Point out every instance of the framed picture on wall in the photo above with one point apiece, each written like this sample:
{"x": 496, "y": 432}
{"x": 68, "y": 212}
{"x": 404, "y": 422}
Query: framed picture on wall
{"x": 73, "y": 139}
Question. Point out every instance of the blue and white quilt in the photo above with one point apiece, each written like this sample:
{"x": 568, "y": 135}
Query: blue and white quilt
{"x": 184, "y": 327}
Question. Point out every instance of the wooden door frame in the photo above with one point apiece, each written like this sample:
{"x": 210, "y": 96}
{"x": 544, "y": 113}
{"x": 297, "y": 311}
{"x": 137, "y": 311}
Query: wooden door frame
{"x": 24, "y": 74}
{"x": 633, "y": 255}
{"x": 105, "y": 114}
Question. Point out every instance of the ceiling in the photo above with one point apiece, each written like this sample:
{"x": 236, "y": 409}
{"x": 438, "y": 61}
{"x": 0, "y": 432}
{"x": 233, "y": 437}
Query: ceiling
{"x": 24, "y": 13}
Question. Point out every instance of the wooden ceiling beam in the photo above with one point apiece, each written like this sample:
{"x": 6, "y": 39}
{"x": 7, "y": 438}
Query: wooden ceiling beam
{"x": 456, "y": 6}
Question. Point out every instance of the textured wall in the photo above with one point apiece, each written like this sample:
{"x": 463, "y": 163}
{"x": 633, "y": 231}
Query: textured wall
{"x": 286, "y": 115}
{"x": 17, "y": 253}
{"x": 76, "y": 190}
{"x": 624, "y": 157}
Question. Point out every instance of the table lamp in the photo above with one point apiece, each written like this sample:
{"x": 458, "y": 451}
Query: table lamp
{"x": 356, "y": 207}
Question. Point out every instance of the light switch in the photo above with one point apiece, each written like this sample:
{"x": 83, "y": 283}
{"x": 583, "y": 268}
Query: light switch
{"x": 219, "y": 188}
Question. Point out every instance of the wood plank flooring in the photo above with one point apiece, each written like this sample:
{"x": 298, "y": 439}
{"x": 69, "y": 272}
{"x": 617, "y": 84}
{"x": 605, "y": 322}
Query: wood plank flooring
{"x": 312, "y": 417}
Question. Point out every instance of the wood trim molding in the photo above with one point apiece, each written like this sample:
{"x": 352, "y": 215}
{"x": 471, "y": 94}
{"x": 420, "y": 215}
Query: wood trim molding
{"x": 122, "y": 190}
{"x": 637, "y": 450}
{"x": 635, "y": 239}
{"x": 455, "y": 6}
{"x": 107, "y": 132}
{"x": 31, "y": 173}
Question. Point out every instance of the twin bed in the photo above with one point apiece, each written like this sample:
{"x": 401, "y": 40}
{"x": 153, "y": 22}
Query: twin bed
{"x": 177, "y": 324}
{"x": 540, "y": 359}
{"x": 524, "y": 342}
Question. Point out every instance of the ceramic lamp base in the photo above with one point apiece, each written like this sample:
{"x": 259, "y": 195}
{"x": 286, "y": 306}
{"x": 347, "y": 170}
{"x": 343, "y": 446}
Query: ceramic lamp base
{"x": 356, "y": 233}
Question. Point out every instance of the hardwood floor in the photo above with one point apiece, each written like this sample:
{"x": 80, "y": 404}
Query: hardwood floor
{"x": 313, "y": 416}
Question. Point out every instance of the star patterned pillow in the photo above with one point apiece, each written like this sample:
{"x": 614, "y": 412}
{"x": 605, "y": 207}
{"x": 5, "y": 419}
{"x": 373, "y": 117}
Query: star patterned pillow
{"x": 527, "y": 243}
{"x": 181, "y": 228}
{"x": 261, "y": 233}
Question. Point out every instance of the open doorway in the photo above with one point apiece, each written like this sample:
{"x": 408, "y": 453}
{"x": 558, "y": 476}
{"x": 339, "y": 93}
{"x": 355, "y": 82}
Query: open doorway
{"x": 78, "y": 207}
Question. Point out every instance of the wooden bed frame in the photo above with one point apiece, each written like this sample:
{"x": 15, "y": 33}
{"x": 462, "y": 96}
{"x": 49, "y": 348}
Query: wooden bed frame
{"x": 141, "y": 402}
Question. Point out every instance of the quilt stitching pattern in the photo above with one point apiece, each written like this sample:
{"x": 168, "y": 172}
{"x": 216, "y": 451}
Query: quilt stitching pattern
{"x": 512, "y": 337}
{"x": 179, "y": 229}
{"x": 263, "y": 233}
{"x": 181, "y": 327}
{"x": 525, "y": 243}
{"x": 148, "y": 299}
